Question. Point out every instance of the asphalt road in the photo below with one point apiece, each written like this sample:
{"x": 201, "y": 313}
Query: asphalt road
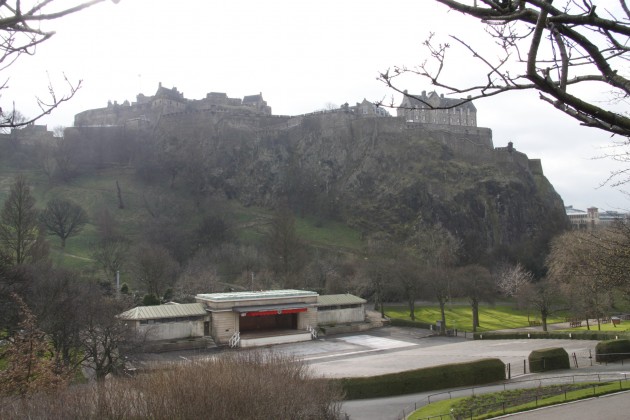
{"x": 394, "y": 349}
{"x": 391, "y": 349}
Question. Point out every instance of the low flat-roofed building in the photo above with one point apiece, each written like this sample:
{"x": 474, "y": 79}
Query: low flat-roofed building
{"x": 245, "y": 317}
{"x": 168, "y": 322}
{"x": 339, "y": 309}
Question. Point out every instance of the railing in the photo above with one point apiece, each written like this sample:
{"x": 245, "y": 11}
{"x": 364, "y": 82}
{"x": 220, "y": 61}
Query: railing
{"x": 313, "y": 332}
{"x": 235, "y": 340}
{"x": 511, "y": 385}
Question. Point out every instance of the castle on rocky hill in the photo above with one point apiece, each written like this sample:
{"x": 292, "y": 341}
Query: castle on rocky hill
{"x": 147, "y": 110}
{"x": 431, "y": 109}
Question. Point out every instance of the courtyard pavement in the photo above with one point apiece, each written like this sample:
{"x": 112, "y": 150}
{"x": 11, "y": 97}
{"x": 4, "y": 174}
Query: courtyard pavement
{"x": 395, "y": 349}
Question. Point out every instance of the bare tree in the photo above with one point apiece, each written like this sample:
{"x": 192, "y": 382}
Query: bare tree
{"x": 437, "y": 251}
{"x": 45, "y": 159}
{"x": 19, "y": 228}
{"x": 63, "y": 218}
{"x": 511, "y": 278}
{"x": 65, "y": 157}
{"x": 407, "y": 273}
{"x": 57, "y": 298}
{"x": 58, "y": 131}
{"x": 21, "y": 33}
{"x": 588, "y": 266}
{"x": 545, "y": 296}
{"x": 103, "y": 333}
{"x": 111, "y": 254}
{"x": 555, "y": 48}
{"x": 475, "y": 282}
{"x": 438, "y": 282}
{"x": 379, "y": 263}
{"x": 283, "y": 246}
{"x": 154, "y": 268}
{"x": 200, "y": 275}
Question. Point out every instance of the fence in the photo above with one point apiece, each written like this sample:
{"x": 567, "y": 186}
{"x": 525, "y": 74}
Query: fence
{"x": 536, "y": 397}
{"x": 512, "y": 385}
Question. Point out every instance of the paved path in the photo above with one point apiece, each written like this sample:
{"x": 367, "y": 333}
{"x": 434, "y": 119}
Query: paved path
{"x": 396, "y": 349}
{"x": 390, "y": 350}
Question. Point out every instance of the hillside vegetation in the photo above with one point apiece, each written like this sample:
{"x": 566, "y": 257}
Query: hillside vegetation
{"x": 241, "y": 206}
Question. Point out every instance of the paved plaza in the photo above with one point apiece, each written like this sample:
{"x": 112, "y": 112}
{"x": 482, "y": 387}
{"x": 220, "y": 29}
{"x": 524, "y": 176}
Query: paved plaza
{"x": 394, "y": 349}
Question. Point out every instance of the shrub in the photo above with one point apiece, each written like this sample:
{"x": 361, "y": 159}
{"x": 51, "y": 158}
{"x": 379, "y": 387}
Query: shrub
{"x": 549, "y": 359}
{"x": 150, "y": 300}
{"x": 612, "y": 350}
{"x": 244, "y": 385}
{"x": 425, "y": 379}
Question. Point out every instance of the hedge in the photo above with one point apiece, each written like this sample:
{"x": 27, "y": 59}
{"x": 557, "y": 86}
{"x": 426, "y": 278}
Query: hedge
{"x": 426, "y": 379}
{"x": 549, "y": 359}
{"x": 562, "y": 335}
{"x": 612, "y": 350}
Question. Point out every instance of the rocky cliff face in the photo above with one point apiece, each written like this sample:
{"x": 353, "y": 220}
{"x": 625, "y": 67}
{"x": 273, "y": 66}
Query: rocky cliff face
{"x": 384, "y": 174}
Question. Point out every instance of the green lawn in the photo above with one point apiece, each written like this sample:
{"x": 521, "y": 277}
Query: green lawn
{"x": 330, "y": 234}
{"x": 96, "y": 191}
{"x": 445, "y": 407}
{"x": 459, "y": 316}
{"x": 624, "y": 326}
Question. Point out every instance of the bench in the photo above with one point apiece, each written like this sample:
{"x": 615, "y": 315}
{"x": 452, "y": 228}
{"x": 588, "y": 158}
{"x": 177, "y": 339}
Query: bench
{"x": 535, "y": 323}
{"x": 574, "y": 323}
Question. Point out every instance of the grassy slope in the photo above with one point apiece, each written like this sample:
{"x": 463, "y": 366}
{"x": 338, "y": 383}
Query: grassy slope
{"x": 97, "y": 192}
{"x": 459, "y": 316}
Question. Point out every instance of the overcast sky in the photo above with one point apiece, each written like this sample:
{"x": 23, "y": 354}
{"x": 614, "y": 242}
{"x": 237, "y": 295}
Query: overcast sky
{"x": 301, "y": 56}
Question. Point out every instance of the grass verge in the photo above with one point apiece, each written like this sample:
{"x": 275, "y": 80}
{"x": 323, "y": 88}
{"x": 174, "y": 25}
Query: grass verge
{"x": 487, "y": 406}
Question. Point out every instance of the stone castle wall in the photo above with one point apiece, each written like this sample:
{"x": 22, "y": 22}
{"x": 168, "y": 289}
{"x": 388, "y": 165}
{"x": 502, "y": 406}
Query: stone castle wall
{"x": 206, "y": 117}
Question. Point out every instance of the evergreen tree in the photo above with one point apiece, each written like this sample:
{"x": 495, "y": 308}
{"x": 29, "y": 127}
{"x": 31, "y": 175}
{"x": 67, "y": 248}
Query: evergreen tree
{"x": 19, "y": 227}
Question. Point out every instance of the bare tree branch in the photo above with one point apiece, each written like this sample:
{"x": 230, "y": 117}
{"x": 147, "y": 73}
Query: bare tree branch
{"x": 21, "y": 33}
{"x": 568, "y": 47}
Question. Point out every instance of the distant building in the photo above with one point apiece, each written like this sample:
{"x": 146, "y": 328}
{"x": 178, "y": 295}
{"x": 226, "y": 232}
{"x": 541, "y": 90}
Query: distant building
{"x": 436, "y": 109}
{"x": 30, "y": 134}
{"x": 592, "y": 218}
{"x": 368, "y": 109}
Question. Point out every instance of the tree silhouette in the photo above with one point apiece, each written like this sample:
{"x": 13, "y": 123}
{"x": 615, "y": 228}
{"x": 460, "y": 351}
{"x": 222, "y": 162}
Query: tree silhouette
{"x": 63, "y": 218}
{"x": 18, "y": 222}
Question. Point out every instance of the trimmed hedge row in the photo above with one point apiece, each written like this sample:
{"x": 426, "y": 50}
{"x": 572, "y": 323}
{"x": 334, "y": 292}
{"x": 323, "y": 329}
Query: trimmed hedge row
{"x": 563, "y": 335}
{"x": 426, "y": 379}
{"x": 552, "y": 358}
{"x": 612, "y": 350}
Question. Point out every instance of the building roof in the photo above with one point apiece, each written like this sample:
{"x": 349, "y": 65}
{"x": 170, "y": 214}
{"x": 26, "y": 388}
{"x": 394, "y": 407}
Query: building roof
{"x": 252, "y": 295}
{"x": 252, "y": 98}
{"x": 569, "y": 210}
{"x": 164, "y": 311}
{"x": 343, "y": 299}
{"x": 433, "y": 100}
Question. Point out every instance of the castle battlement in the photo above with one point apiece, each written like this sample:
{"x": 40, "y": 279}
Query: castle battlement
{"x": 167, "y": 102}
